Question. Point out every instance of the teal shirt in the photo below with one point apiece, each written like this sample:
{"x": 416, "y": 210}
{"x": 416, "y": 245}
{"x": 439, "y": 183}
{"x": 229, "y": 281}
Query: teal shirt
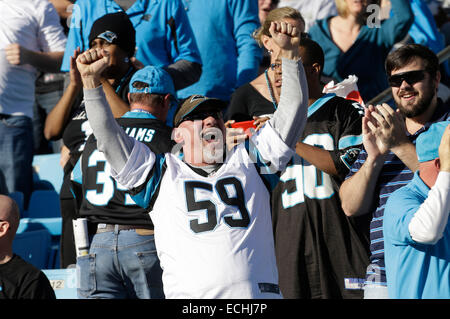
{"x": 367, "y": 55}
{"x": 413, "y": 270}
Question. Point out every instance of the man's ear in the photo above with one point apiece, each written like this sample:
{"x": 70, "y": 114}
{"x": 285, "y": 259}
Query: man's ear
{"x": 437, "y": 79}
{"x": 4, "y": 226}
{"x": 437, "y": 164}
{"x": 167, "y": 101}
{"x": 128, "y": 96}
{"x": 177, "y": 135}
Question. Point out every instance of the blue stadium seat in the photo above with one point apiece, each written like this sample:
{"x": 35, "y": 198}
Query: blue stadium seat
{"x": 63, "y": 281}
{"x": 33, "y": 247}
{"x": 44, "y": 204}
{"x": 52, "y": 224}
{"x": 48, "y": 172}
{"x": 19, "y": 199}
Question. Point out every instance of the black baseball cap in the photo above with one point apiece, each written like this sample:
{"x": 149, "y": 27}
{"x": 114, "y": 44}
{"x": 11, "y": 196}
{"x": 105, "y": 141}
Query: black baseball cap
{"x": 197, "y": 104}
{"x": 115, "y": 28}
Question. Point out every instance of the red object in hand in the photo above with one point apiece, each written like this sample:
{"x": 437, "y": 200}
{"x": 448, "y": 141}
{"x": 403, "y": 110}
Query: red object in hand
{"x": 245, "y": 125}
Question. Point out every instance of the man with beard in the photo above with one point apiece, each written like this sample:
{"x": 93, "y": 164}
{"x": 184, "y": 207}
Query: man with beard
{"x": 388, "y": 160}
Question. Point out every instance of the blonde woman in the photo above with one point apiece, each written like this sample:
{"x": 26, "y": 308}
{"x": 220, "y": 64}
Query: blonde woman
{"x": 260, "y": 97}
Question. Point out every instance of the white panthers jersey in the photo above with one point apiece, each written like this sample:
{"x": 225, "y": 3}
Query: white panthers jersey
{"x": 213, "y": 233}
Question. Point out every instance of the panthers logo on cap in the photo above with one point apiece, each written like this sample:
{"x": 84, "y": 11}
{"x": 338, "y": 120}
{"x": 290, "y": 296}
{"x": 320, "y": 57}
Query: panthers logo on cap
{"x": 108, "y": 36}
{"x": 197, "y": 97}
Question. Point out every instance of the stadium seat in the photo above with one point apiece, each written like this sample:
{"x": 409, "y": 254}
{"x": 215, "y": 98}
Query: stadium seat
{"x": 44, "y": 204}
{"x": 52, "y": 224}
{"x": 63, "y": 281}
{"x": 47, "y": 172}
{"x": 19, "y": 199}
{"x": 33, "y": 247}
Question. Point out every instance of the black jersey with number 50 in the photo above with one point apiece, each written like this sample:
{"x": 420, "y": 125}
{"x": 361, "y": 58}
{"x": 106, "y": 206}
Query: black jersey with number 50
{"x": 321, "y": 253}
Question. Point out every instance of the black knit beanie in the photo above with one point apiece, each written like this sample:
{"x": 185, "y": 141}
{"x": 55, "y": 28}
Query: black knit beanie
{"x": 116, "y": 28}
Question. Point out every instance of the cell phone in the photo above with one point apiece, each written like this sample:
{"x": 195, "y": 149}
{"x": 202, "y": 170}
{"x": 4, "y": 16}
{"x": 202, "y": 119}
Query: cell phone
{"x": 245, "y": 125}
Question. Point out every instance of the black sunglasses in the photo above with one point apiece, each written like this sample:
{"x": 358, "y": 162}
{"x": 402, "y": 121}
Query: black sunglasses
{"x": 201, "y": 116}
{"x": 410, "y": 77}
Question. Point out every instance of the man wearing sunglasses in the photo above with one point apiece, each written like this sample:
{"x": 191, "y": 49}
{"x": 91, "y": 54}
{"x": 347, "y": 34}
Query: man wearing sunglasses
{"x": 211, "y": 215}
{"x": 388, "y": 160}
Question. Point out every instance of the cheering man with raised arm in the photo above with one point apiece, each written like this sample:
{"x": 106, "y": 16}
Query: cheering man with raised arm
{"x": 211, "y": 213}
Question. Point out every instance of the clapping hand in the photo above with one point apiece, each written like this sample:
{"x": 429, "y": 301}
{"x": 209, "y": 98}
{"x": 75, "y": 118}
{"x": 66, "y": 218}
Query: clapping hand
{"x": 389, "y": 126}
{"x": 373, "y": 145}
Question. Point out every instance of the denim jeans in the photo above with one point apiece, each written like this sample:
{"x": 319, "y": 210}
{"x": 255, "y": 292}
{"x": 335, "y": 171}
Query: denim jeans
{"x": 16, "y": 154}
{"x": 120, "y": 265}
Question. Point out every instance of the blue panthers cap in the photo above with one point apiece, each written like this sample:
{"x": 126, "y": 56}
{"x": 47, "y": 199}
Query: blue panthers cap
{"x": 158, "y": 80}
{"x": 427, "y": 143}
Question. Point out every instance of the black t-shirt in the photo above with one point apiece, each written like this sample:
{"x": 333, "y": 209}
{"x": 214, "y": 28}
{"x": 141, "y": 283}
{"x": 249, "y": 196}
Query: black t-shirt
{"x": 247, "y": 102}
{"x": 21, "y": 280}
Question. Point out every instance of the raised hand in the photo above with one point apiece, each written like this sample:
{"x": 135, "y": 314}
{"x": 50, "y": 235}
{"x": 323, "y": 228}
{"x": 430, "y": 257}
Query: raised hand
{"x": 91, "y": 64}
{"x": 286, "y": 37}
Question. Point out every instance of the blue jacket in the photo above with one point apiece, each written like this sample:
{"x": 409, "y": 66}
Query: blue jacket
{"x": 160, "y": 40}
{"x": 367, "y": 55}
{"x": 413, "y": 270}
{"x": 230, "y": 56}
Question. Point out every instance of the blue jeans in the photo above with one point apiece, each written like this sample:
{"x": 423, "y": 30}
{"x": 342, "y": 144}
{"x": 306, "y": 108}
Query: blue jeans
{"x": 16, "y": 154}
{"x": 120, "y": 265}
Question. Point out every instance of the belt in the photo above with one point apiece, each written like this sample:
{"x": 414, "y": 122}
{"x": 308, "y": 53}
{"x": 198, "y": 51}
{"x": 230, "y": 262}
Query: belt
{"x": 140, "y": 229}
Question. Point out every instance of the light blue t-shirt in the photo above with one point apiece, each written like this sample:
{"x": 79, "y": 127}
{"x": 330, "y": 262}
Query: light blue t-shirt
{"x": 163, "y": 33}
{"x": 230, "y": 56}
{"x": 413, "y": 270}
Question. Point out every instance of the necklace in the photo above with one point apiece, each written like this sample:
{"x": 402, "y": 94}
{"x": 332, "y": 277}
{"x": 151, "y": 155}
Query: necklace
{"x": 274, "y": 102}
{"x": 124, "y": 78}
{"x": 138, "y": 110}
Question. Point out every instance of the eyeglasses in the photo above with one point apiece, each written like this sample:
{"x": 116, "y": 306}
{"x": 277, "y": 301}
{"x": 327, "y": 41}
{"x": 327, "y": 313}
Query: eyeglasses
{"x": 201, "y": 116}
{"x": 275, "y": 66}
{"x": 410, "y": 77}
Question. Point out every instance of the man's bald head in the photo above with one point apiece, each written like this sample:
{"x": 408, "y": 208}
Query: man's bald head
{"x": 9, "y": 212}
